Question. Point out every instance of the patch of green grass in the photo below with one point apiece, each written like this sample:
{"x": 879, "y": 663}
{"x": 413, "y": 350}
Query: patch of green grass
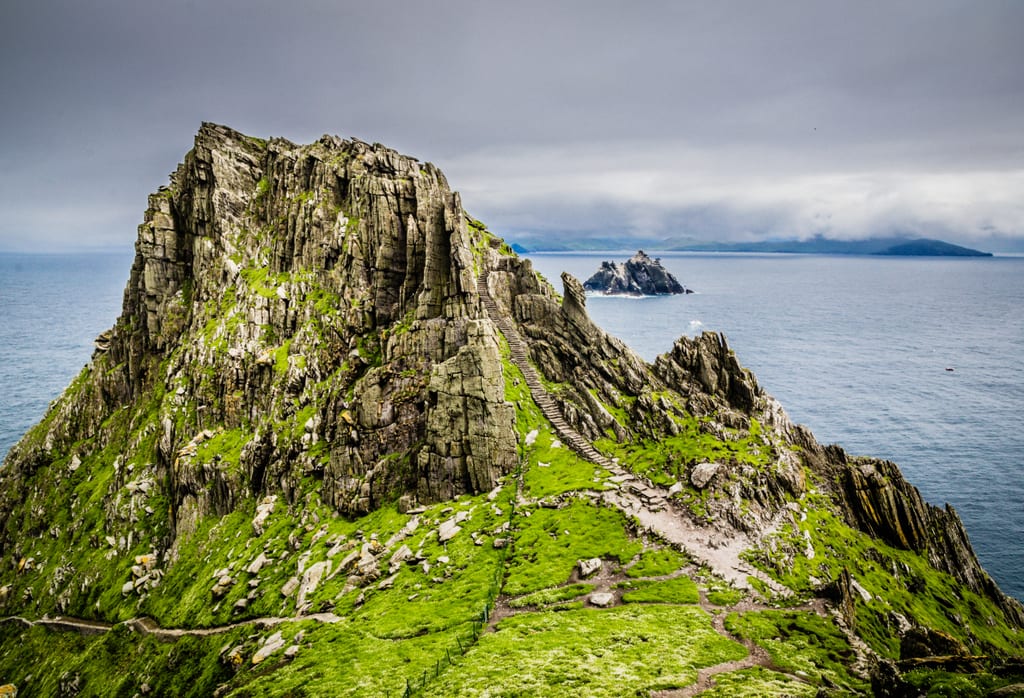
{"x": 800, "y": 641}
{"x": 552, "y": 471}
{"x": 679, "y": 590}
{"x": 344, "y": 660}
{"x": 724, "y": 596}
{"x": 628, "y": 650}
{"x": 117, "y": 663}
{"x": 949, "y": 685}
{"x": 758, "y": 682}
{"x": 655, "y": 563}
{"x": 893, "y": 577}
{"x": 549, "y": 542}
{"x": 668, "y": 460}
{"x": 225, "y": 446}
{"x": 551, "y": 596}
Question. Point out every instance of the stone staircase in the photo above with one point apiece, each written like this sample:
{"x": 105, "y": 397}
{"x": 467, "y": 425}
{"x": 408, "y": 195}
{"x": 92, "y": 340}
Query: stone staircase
{"x": 547, "y": 405}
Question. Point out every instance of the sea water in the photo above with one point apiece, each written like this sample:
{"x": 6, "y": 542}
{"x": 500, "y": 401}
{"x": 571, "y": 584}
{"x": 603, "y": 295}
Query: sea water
{"x": 916, "y": 360}
{"x": 856, "y": 348}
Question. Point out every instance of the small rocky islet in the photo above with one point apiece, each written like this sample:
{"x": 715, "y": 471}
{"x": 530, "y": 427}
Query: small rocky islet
{"x": 343, "y": 441}
{"x": 640, "y": 275}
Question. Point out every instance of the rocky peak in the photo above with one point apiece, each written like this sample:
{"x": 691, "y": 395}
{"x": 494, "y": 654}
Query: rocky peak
{"x": 638, "y": 276}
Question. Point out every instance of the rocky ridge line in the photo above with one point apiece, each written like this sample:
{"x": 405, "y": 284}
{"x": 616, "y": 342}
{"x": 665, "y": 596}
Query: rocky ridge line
{"x": 633, "y": 495}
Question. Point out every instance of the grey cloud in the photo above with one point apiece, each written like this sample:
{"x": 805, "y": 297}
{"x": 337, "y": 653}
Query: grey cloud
{"x": 738, "y": 118}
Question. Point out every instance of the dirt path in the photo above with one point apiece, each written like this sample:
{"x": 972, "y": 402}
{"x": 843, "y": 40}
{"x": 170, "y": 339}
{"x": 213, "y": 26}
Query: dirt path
{"x": 147, "y": 626}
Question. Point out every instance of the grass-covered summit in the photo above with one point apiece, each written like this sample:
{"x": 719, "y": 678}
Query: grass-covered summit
{"x": 342, "y": 441}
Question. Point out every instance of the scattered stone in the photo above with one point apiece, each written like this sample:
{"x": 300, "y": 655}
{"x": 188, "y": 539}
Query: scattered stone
{"x": 675, "y": 489}
{"x": 401, "y": 555}
{"x": 864, "y": 593}
{"x": 263, "y": 511}
{"x": 703, "y": 473}
{"x": 531, "y": 438}
{"x": 602, "y": 599}
{"x": 256, "y": 565}
{"x": 310, "y": 579}
{"x": 349, "y": 560}
{"x": 291, "y": 651}
{"x": 500, "y": 543}
{"x": 447, "y": 530}
{"x": 920, "y": 643}
{"x": 589, "y": 567}
{"x": 289, "y": 587}
{"x": 240, "y": 605}
{"x": 388, "y": 582}
{"x": 222, "y": 586}
{"x": 270, "y": 645}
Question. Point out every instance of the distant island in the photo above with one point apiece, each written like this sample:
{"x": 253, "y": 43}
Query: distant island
{"x": 639, "y": 276}
{"x": 884, "y": 246}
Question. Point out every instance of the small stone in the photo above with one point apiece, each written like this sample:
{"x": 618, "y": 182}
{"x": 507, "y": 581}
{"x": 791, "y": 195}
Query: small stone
{"x": 500, "y": 542}
{"x": 401, "y": 555}
{"x": 602, "y": 599}
{"x": 311, "y": 579}
{"x": 256, "y": 565}
{"x": 291, "y": 651}
{"x": 703, "y": 473}
{"x": 270, "y": 645}
{"x": 447, "y": 530}
{"x": 589, "y": 567}
{"x": 289, "y": 587}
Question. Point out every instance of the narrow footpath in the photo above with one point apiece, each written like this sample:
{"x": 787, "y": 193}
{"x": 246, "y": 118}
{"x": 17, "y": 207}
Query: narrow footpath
{"x": 635, "y": 496}
{"x": 147, "y": 626}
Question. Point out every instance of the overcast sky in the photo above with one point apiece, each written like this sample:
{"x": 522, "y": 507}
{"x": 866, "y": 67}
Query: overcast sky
{"x": 713, "y": 120}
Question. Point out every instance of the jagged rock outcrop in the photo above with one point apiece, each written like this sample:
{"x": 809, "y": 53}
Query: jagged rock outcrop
{"x": 638, "y": 276}
{"x": 882, "y": 503}
{"x": 319, "y": 286}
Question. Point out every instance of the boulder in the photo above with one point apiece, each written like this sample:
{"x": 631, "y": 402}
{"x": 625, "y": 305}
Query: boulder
{"x": 311, "y": 579}
{"x": 447, "y": 530}
{"x": 270, "y": 645}
{"x": 589, "y": 567}
{"x": 704, "y": 473}
{"x": 920, "y": 643}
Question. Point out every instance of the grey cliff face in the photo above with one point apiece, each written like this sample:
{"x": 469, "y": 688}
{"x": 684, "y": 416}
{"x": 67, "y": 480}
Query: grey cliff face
{"x": 639, "y": 276}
